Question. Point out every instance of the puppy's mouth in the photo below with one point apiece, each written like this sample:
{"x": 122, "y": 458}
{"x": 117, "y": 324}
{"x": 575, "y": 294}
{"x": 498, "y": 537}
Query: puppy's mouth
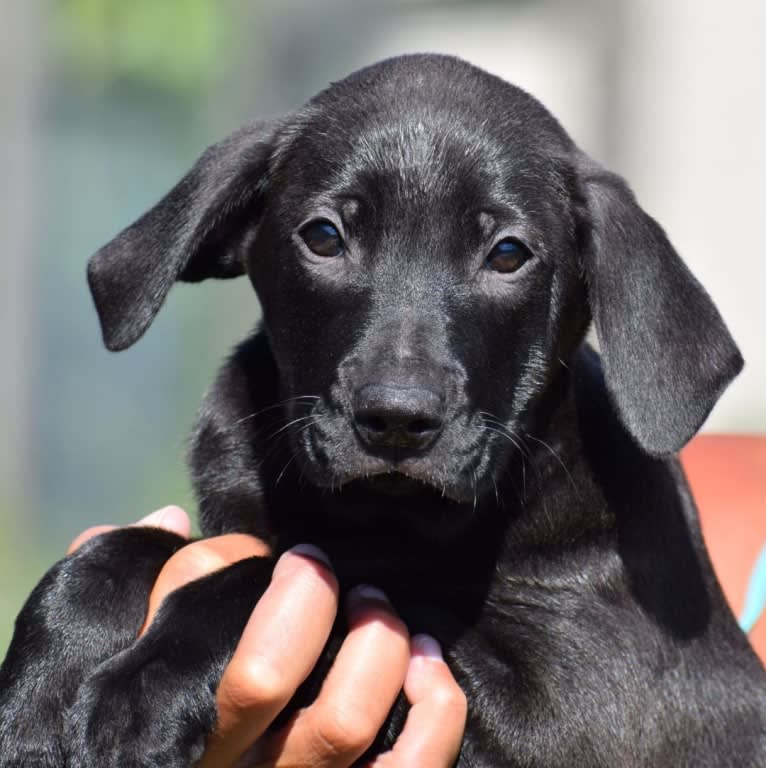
{"x": 395, "y": 484}
{"x": 407, "y": 479}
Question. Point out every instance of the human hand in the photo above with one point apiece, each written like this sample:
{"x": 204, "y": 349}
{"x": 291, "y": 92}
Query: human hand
{"x": 281, "y": 644}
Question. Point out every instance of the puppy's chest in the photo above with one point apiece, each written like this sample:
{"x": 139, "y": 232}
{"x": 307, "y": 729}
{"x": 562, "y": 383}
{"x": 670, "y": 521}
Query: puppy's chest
{"x": 545, "y": 616}
{"x": 532, "y": 658}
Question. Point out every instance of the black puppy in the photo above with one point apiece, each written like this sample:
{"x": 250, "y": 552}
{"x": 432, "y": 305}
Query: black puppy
{"x": 429, "y": 248}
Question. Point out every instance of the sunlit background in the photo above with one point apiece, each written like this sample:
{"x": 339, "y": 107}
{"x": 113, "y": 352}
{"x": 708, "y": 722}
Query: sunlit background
{"x": 104, "y": 103}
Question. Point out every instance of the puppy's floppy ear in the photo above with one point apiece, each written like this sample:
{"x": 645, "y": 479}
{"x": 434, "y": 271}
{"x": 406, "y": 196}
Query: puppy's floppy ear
{"x": 666, "y": 352}
{"x": 194, "y": 232}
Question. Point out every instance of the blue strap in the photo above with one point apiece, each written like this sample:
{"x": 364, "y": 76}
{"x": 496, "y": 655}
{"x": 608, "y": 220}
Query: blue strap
{"x": 755, "y": 598}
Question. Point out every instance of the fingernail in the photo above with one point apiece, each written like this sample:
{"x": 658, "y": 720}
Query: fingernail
{"x": 365, "y": 593}
{"x": 312, "y": 552}
{"x": 171, "y": 518}
{"x": 426, "y": 646}
{"x": 154, "y": 518}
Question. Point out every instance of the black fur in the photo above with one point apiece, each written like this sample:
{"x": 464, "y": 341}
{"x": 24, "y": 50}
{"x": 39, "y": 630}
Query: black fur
{"x": 437, "y": 426}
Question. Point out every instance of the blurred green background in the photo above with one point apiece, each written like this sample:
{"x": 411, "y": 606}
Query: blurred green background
{"x": 105, "y": 103}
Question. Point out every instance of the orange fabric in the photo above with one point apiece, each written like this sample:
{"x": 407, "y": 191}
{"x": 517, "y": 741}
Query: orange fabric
{"x": 727, "y": 474}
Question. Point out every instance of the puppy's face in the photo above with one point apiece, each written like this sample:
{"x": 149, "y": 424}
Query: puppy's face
{"x": 414, "y": 263}
{"x": 420, "y": 236}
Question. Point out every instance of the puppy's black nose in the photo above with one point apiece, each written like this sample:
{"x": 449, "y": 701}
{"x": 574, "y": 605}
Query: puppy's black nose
{"x": 398, "y": 417}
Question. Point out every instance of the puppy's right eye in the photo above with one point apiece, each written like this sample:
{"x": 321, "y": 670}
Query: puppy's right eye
{"x": 322, "y": 238}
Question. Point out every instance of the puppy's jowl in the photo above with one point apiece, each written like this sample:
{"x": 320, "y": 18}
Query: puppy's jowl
{"x": 428, "y": 247}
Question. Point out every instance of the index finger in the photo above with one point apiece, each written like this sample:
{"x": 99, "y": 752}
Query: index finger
{"x": 277, "y": 650}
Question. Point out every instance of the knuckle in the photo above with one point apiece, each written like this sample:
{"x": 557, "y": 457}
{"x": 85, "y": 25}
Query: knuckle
{"x": 344, "y": 730}
{"x": 452, "y": 701}
{"x": 255, "y": 682}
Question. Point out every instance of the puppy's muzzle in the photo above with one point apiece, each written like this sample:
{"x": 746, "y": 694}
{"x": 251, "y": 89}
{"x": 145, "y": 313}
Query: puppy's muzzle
{"x": 398, "y": 418}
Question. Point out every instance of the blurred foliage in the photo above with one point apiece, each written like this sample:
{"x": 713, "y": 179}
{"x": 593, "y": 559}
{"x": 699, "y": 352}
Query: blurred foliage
{"x": 175, "y": 45}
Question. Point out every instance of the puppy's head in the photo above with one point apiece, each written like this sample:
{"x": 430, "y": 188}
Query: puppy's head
{"x": 428, "y": 247}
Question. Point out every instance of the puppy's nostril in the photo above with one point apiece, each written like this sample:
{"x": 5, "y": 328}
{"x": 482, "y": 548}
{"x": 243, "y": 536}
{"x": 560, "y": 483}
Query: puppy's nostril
{"x": 421, "y": 426}
{"x": 373, "y": 423}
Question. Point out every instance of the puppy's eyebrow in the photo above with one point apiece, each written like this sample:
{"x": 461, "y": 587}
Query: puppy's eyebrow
{"x": 492, "y": 216}
{"x": 487, "y": 222}
{"x": 349, "y": 207}
{"x": 337, "y": 197}
{"x": 346, "y": 206}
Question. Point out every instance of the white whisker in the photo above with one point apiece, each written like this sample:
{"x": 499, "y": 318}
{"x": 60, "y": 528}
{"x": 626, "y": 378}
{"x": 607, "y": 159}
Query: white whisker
{"x": 560, "y": 461}
{"x": 304, "y": 399}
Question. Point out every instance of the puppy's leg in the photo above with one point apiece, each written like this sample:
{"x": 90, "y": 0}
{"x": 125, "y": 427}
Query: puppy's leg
{"x": 88, "y": 607}
{"x": 154, "y": 703}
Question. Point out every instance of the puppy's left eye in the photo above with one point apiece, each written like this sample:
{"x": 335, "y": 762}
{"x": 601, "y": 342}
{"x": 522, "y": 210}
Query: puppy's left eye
{"x": 322, "y": 238}
{"x": 508, "y": 255}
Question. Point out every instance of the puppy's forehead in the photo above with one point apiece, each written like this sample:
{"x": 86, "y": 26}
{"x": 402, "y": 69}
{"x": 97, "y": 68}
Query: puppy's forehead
{"x": 424, "y": 124}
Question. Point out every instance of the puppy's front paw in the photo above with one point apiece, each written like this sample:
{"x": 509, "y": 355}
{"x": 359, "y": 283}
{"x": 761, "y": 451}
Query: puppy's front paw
{"x": 135, "y": 712}
{"x": 88, "y": 607}
{"x": 153, "y": 704}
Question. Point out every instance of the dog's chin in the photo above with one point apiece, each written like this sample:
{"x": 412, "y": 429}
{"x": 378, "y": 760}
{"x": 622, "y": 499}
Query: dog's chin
{"x": 438, "y": 513}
